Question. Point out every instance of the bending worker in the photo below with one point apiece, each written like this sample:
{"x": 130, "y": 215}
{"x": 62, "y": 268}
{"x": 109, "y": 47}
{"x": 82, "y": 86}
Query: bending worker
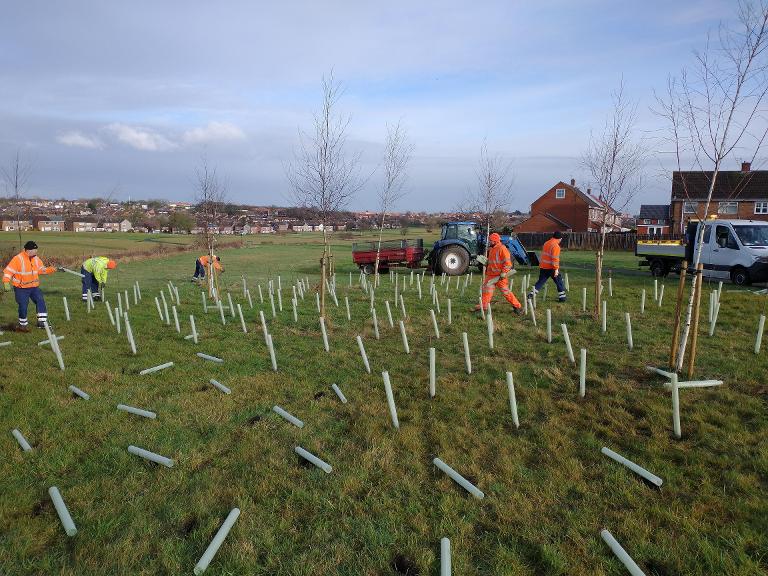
{"x": 203, "y": 263}
{"x": 24, "y": 271}
{"x": 497, "y": 271}
{"x": 549, "y": 267}
{"x": 94, "y": 271}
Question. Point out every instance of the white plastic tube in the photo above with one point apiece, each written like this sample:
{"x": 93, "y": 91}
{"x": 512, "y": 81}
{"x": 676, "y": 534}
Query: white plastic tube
{"x": 159, "y": 310}
{"x": 263, "y": 325}
{"x": 118, "y": 322}
{"x": 137, "y": 411}
{"x": 194, "y": 328}
{"x": 389, "y": 314}
{"x": 309, "y": 457}
{"x": 156, "y": 368}
{"x": 205, "y": 303}
{"x": 165, "y": 308}
{"x": 217, "y": 541}
{"x": 610, "y": 286}
{"x": 568, "y": 347}
{"x": 78, "y": 392}
{"x": 288, "y": 416}
{"x": 176, "y": 319}
{"x": 656, "y": 289}
{"x": 317, "y": 302}
{"x": 43, "y": 343}
{"x": 346, "y": 304}
{"x": 404, "y": 335}
{"x": 467, "y": 359}
{"x": 375, "y": 323}
{"x": 630, "y": 343}
{"x": 54, "y": 345}
{"x": 642, "y": 302}
{"x": 109, "y": 313}
{"x": 489, "y": 327}
{"x": 432, "y": 372}
{"x": 129, "y": 334}
{"x": 583, "y": 299}
{"x": 759, "y": 337}
{"x": 661, "y": 295}
{"x": 272, "y": 355}
{"x": 583, "y": 373}
{"x": 221, "y": 313}
{"x": 61, "y": 510}
{"x": 621, "y": 554}
{"x": 434, "y": 323}
{"x": 450, "y": 312}
{"x": 459, "y": 479}
{"x": 210, "y": 358}
{"x": 219, "y": 386}
{"x": 326, "y": 346}
{"x": 250, "y": 301}
{"x": 445, "y": 557}
{"x": 714, "y": 318}
{"x": 242, "y": 320}
{"x": 675, "y": 407}
{"x": 604, "y": 317}
{"x": 390, "y": 400}
{"x": 512, "y": 399}
{"x": 294, "y": 305}
{"x": 261, "y": 294}
{"x": 567, "y": 283}
{"x": 652, "y": 478}
{"x": 127, "y": 301}
{"x": 339, "y": 393}
{"x": 3, "y": 344}
{"x": 66, "y": 308}
{"x": 549, "y": 326}
{"x": 363, "y": 354}
{"x": 151, "y": 456}
{"x": 21, "y": 440}
{"x": 231, "y": 306}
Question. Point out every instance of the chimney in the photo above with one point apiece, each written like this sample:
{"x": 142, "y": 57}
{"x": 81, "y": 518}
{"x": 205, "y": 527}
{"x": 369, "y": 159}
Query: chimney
{"x": 589, "y": 190}
{"x": 745, "y": 166}
{"x": 573, "y": 182}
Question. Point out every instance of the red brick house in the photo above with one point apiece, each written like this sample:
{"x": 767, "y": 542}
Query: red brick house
{"x": 738, "y": 194}
{"x": 566, "y": 208}
{"x": 654, "y": 219}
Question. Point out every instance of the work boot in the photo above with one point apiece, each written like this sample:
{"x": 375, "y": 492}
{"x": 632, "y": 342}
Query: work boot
{"x": 518, "y": 311}
{"x": 529, "y": 295}
{"x": 20, "y": 328}
{"x": 40, "y": 324}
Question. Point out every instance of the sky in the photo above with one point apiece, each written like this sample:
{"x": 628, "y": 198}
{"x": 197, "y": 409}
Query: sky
{"x": 127, "y": 99}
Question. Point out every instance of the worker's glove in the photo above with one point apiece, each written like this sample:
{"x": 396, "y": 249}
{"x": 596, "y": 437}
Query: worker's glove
{"x": 60, "y": 268}
{"x": 503, "y": 275}
{"x": 6, "y": 287}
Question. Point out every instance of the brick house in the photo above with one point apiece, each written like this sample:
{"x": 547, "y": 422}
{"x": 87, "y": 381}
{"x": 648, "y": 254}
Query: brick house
{"x": 566, "y": 208}
{"x": 738, "y": 194}
{"x": 82, "y": 225}
{"x": 9, "y": 225}
{"x": 654, "y": 219}
{"x": 49, "y": 223}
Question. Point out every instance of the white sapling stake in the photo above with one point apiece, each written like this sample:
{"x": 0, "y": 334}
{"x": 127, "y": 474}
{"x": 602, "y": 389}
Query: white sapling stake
{"x": 261, "y": 295}
{"x": 309, "y": 457}
{"x": 346, "y": 304}
{"x": 405, "y": 338}
{"x": 21, "y": 440}
{"x": 642, "y": 302}
{"x": 151, "y": 456}
{"x": 210, "y": 358}
{"x": 467, "y": 359}
{"x": 604, "y": 317}
{"x": 137, "y": 411}
{"x": 714, "y": 319}
{"x": 445, "y": 557}
{"x": 759, "y": 337}
{"x": 567, "y": 283}
{"x": 194, "y": 328}
{"x": 610, "y": 286}
{"x": 450, "y": 315}
{"x": 288, "y": 416}
{"x": 549, "y": 325}
{"x": 272, "y": 355}
{"x": 176, "y": 319}
{"x": 434, "y": 323}
{"x": 219, "y": 386}
{"x": 272, "y": 303}
{"x": 512, "y": 400}
{"x": 363, "y": 354}
{"x": 317, "y": 301}
{"x": 390, "y": 400}
{"x": 205, "y": 303}
{"x": 567, "y": 339}
{"x": 129, "y": 334}
{"x": 294, "y": 305}
{"x": 656, "y": 289}
{"x": 675, "y": 407}
{"x": 325, "y": 334}
{"x": 338, "y": 391}
{"x": 389, "y": 314}
{"x": 165, "y": 308}
{"x": 61, "y": 510}
{"x": 127, "y": 301}
{"x": 375, "y": 323}
{"x": 109, "y": 313}
{"x": 43, "y": 343}
{"x": 583, "y": 373}
{"x": 66, "y": 308}
{"x": 250, "y": 301}
{"x": 418, "y": 288}
{"x": 263, "y": 325}
{"x": 661, "y": 295}
{"x": 459, "y": 479}
{"x": 432, "y": 376}
{"x": 242, "y": 320}
{"x": 621, "y": 554}
{"x": 231, "y": 307}
{"x": 280, "y": 299}
{"x": 117, "y": 319}
{"x": 221, "y": 313}
{"x": 583, "y": 299}
{"x": 489, "y": 326}
{"x": 155, "y": 368}
{"x": 120, "y": 303}
{"x": 75, "y": 390}
{"x": 652, "y": 478}
{"x": 217, "y": 541}
{"x": 54, "y": 345}
{"x": 629, "y": 331}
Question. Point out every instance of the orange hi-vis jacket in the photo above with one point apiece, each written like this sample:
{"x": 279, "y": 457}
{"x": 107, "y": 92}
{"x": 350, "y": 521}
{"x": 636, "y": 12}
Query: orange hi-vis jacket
{"x": 550, "y": 255}
{"x": 499, "y": 260}
{"x": 205, "y": 260}
{"x": 24, "y": 271}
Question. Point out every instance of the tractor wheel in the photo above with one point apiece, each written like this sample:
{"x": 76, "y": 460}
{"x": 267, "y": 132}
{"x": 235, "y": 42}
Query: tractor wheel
{"x": 740, "y": 276}
{"x": 454, "y": 260}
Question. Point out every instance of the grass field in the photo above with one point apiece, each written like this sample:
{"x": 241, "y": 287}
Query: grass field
{"x": 548, "y": 489}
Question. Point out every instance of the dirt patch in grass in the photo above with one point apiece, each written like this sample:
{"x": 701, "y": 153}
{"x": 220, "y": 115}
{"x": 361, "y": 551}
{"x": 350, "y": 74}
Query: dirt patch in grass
{"x": 403, "y": 565}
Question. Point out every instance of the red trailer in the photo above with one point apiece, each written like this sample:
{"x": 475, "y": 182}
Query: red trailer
{"x": 408, "y": 253}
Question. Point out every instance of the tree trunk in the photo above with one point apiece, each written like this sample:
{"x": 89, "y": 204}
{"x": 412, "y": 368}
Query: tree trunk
{"x": 599, "y": 274}
{"x": 323, "y": 270}
{"x": 378, "y": 252}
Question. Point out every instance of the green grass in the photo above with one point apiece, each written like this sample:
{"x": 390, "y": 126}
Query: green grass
{"x": 548, "y": 489}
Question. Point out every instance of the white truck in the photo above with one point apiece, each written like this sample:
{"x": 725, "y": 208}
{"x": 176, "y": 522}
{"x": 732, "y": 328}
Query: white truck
{"x": 732, "y": 249}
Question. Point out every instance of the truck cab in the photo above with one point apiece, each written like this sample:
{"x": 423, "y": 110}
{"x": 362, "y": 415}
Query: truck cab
{"x": 735, "y": 250}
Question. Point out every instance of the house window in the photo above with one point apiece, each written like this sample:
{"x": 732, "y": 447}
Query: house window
{"x": 560, "y": 193}
{"x": 761, "y": 207}
{"x": 727, "y": 207}
{"x": 690, "y": 207}
{"x": 646, "y": 221}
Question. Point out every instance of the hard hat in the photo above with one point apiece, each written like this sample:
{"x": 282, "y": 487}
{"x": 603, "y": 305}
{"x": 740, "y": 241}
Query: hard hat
{"x": 111, "y": 265}
{"x": 494, "y": 237}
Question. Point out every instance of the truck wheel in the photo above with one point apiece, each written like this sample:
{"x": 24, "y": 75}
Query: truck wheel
{"x": 367, "y": 269}
{"x": 658, "y": 268}
{"x": 740, "y": 276}
{"x": 454, "y": 260}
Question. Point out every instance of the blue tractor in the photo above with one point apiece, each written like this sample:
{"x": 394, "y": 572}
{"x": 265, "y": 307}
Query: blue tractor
{"x": 460, "y": 245}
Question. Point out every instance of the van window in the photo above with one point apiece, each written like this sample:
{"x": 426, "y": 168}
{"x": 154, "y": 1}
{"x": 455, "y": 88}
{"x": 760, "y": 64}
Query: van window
{"x": 725, "y": 239}
{"x": 752, "y": 235}
{"x": 707, "y": 231}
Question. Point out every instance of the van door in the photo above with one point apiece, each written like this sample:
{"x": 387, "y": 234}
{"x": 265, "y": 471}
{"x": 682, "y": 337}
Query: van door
{"x": 725, "y": 251}
{"x": 706, "y": 251}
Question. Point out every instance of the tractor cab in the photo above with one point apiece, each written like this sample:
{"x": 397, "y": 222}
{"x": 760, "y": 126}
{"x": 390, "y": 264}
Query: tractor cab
{"x": 465, "y": 232}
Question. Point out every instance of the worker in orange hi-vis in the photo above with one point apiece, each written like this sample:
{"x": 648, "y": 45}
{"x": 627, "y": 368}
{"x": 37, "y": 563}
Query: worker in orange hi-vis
{"x": 202, "y": 263}
{"x": 497, "y": 271}
{"x": 23, "y": 271}
{"x": 549, "y": 267}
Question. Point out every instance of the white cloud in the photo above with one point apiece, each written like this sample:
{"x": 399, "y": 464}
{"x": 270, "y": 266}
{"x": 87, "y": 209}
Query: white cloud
{"x": 80, "y": 140}
{"x": 213, "y": 132}
{"x": 141, "y": 138}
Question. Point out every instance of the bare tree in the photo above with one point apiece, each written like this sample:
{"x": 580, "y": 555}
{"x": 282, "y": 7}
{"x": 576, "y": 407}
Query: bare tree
{"x": 614, "y": 161}
{"x": 322, "y": 175}
{"x": 494, "y": 189}
{"x": 210, "y": 196}
{"x": 15, "y": 179}
{"x": 397, "y": 154}
{"x": 716, "y": 108}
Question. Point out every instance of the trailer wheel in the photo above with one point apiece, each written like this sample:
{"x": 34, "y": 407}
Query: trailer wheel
{"x": 658, "y": 268}
{"x": 454, "y": 260}
{"x": 367, "y": 269}
{"x": 740, "y": 276}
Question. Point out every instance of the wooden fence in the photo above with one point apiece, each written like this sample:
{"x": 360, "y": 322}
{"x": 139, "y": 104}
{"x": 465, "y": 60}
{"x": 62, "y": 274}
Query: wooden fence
{"x": 591, "y": 240}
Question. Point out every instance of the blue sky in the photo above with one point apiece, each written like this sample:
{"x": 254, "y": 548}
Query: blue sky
{"x": 128, "y": 96}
